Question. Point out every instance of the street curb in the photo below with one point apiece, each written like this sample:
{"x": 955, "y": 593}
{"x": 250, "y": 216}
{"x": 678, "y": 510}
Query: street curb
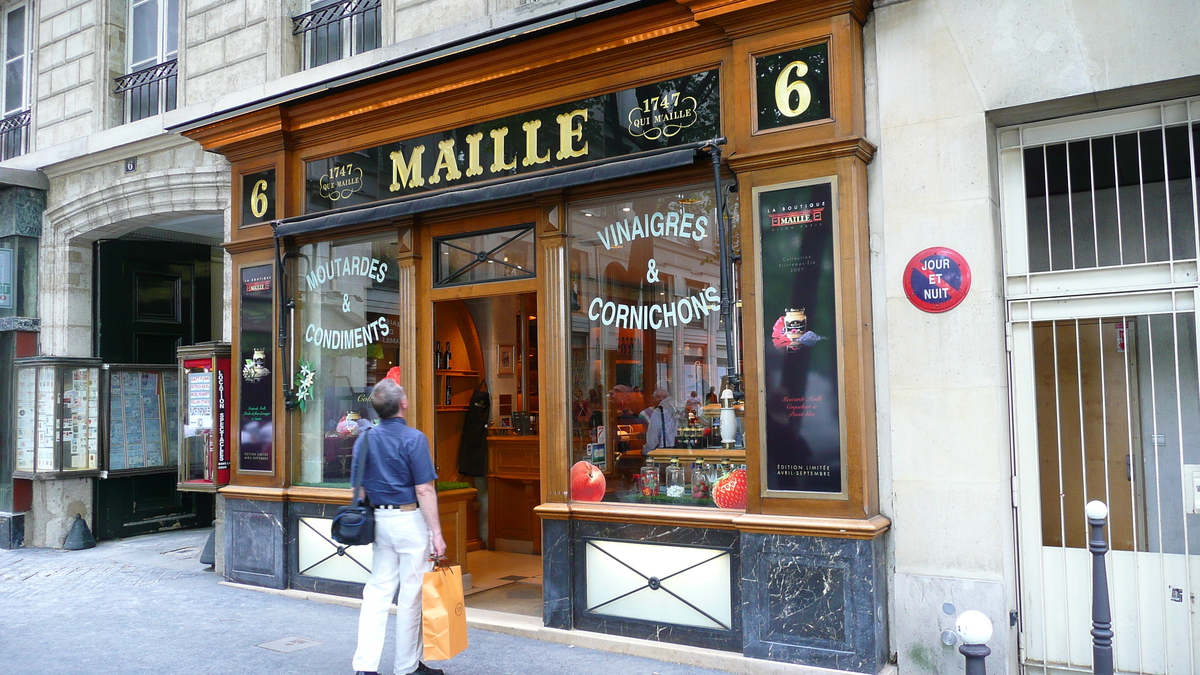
{"x": 531, "y": 627}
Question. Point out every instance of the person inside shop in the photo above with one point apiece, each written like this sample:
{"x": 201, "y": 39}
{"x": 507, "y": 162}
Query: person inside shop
{"x": 662, "y": 421}
{"x": 712, "y": 395}
{"x": 398, "y": 480}
{"x": 692, "y": 404}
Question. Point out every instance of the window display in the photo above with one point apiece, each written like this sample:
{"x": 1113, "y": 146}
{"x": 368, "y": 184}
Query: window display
{"x": 646, "y": 335}
{"x": 143, "y": 424}
{"x": 347, "y": 340}
{"x": 57, "y": 415}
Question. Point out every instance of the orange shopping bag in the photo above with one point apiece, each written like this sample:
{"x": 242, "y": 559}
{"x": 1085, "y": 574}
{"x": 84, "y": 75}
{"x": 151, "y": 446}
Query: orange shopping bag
{"x": 443, "y": 612}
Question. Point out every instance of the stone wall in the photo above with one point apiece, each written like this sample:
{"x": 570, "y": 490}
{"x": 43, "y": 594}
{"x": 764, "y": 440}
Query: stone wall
{"x": 68, "y": 98}
{"x": 938, "y": 73}
{"x": 230, "y": 45}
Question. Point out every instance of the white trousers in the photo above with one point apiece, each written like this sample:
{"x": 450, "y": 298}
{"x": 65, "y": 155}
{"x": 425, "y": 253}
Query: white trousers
{"x": 401, "y": 551}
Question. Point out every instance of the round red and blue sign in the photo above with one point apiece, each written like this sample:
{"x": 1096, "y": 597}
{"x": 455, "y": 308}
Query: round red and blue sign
{"x": 937, "y": 279}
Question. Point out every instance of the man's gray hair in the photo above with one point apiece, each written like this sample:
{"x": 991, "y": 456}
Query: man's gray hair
{"x": 388, "y": 398}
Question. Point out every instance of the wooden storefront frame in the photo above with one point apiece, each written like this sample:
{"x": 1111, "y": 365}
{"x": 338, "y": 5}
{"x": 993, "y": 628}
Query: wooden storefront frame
{"x": 644, "y": 45}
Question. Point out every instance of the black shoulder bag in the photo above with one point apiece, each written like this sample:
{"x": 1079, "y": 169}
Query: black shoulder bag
{"x": 354, "y": 525}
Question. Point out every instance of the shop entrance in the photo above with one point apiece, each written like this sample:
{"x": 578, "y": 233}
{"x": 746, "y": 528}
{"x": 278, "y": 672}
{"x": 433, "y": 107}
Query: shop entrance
{"x": 486, "y": 435}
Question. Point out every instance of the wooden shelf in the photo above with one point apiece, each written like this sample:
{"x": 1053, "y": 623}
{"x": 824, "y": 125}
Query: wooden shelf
{"x": 452, "y": 408}
{"x": 457, "y": 373}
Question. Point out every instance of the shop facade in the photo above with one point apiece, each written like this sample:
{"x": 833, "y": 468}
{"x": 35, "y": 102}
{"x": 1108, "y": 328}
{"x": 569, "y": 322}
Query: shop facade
{"x": 528, "y": 236}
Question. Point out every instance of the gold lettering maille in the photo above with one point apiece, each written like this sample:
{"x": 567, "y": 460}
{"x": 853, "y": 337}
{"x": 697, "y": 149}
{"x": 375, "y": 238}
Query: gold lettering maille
{"x": 446, "y": 160}
{"x": 407, "y": 174}
{"x": 498, "y": 164}
{"x": 531, "y": 151}
{"x": 474, "y": 168}
{"x": 569, "y": 133}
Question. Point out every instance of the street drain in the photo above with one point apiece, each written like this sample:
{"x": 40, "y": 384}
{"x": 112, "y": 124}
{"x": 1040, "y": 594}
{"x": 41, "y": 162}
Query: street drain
{"x": 289, "y": 644}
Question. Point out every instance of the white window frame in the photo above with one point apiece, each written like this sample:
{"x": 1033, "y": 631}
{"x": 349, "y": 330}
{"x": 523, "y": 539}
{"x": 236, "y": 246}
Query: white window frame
{"x": 25, "y": 57}
{"x": 161, "y": 54}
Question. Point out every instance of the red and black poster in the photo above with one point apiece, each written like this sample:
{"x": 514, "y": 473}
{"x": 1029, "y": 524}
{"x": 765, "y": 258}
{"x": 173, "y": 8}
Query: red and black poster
{"x": 803, "y": 451}
{"x": 256, "y": 451}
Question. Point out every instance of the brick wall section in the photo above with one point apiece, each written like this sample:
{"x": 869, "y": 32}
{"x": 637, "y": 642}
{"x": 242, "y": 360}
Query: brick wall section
{"x": 227, "y": 46}
{"x": 67, "y": 67}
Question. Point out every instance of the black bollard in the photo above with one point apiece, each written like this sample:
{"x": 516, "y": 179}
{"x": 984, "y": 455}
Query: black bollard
{"x": 975, "y": 658}
{"x": 1102, "y": 635}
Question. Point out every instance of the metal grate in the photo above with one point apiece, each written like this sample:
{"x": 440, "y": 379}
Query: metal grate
{"x": 1112, "y": 200}
{"x": 14, "y": 135}
{"x": 149, "y": 91}
{"x": 336, "y": 30}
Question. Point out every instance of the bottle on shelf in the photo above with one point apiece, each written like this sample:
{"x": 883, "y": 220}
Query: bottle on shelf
{"x": 437, "y": 356}
{"x": 675, "y": 482}
{"x": 447, "y": 391}
{"x": 446, "y": 357}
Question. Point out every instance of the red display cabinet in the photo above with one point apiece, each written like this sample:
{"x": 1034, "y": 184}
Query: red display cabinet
{"x": 204, "y": 389}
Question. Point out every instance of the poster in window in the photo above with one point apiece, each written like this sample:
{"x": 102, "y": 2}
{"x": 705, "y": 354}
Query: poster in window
{"x": 26, "y": 414}
{"x": 803, "y": 450}
{"x": 256, "y": 451}
{"x": 116, "y": 424}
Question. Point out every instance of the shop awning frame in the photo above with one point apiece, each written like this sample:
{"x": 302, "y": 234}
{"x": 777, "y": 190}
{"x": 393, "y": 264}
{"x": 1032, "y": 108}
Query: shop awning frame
{"x": 517, "y": 186}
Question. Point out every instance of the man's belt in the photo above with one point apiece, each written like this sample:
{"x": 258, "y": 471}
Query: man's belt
{"x": 412, "y": 506}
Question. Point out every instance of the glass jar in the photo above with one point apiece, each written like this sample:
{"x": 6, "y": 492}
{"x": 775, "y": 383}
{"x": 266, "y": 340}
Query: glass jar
{"x": 675, "y": 482}
{"x": 649, "y": 480}
{"x": 700, "y": 482}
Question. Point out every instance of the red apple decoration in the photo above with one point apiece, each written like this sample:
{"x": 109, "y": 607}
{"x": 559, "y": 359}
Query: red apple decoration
{"x": 587, "y": 482}
{"x": 730, "y": 491}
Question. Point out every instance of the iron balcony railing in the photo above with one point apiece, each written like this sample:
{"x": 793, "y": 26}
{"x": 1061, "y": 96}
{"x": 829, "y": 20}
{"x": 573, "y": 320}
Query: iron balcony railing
{"x": 149, "y": 91}
{"x": 14, "y": 135}
{"x": 338, "y": 30}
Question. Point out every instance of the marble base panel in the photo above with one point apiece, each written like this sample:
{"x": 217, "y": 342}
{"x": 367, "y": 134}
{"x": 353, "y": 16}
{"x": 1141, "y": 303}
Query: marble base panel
{"x": 556, "y": 574}
{"x": 12, "y": 530}
{"x": 296, "y": 511}
{"x": 815, "y": 601}
{"x": 254, "y": 543}
{"x": 710, "y": 638}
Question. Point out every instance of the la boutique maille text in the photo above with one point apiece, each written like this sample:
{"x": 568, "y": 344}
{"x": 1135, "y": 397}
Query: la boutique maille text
{"x": 651, "y": 117}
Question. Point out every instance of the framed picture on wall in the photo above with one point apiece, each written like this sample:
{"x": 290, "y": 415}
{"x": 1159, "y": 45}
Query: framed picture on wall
{"x": 504, "y": 359}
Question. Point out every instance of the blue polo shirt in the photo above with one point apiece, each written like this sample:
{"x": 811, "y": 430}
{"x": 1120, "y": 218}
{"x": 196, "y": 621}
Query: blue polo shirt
{"x": 399, "y": 461}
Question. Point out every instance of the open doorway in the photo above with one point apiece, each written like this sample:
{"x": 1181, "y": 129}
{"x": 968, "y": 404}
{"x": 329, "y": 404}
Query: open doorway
{"x": 486, "y": 435}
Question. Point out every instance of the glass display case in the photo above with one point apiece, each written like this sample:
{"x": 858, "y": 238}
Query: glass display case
{"x": 57, "y": 416}
{"x": 141, "y": 413}
{"x": 204, "y": 383}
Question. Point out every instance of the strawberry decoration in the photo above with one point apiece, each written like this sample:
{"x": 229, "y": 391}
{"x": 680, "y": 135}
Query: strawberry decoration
{"x": 730, "y": 491}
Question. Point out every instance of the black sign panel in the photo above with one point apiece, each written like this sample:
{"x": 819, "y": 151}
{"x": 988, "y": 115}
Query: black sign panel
{"x": 654, "y": 116}
{"x": 258, "y": 197}
{"x": 256, "y": 449}
{"x": 803, "y": 431}
{"x": 792, "y": 87}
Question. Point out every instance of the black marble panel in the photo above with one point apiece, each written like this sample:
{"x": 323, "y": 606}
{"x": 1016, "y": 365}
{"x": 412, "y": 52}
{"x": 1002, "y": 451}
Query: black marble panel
{"x": 304, "y": 582}
{"x": 21, "y": 323}
{"x": 712, "y": 638}
{"x": 556, "y": 573}
{"x": 12, "y": 530}
{"x": 21, "y": 211}
{"x": 815, "y": 601}
{"x": 254, "y": 543}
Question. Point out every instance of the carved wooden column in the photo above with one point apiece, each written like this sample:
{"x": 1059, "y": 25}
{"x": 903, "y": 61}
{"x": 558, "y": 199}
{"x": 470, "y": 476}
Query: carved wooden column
{"x": 408, "y": 261}
{"x": 554, "y": 349}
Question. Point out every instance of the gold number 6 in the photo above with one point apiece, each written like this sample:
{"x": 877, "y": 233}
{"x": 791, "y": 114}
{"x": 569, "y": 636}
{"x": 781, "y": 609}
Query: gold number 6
{"x": 784, "y": 90}
{"x": 258, "y": 199}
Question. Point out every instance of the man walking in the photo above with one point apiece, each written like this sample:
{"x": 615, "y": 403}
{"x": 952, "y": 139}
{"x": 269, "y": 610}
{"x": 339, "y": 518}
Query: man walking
{"x": 399, "y": 482}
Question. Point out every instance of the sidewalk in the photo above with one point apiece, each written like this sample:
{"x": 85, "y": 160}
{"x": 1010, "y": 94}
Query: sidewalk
{"x": 146, "y": 605}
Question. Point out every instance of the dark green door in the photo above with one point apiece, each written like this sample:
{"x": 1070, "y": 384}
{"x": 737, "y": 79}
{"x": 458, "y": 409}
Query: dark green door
{"x": 149, "y": 298}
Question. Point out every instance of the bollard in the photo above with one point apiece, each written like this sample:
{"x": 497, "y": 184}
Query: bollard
{"x": 1102, "y": 635}
{"x": 974, "y": 629}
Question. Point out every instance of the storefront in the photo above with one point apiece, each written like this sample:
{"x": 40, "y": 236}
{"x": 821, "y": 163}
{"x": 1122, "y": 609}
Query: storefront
{"x": 567, "y": 247}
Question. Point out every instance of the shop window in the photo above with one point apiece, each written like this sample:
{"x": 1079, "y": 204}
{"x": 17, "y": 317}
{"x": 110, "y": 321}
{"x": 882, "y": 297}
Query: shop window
{"x": 337, "y": 29}
{"x": 646, "y": 335}
{"x": 499, "y": 255}
{"x": 347, "y": 339}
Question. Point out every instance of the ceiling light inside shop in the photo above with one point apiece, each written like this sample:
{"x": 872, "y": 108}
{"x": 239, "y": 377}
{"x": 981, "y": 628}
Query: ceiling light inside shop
{"x": 626, "y": 209}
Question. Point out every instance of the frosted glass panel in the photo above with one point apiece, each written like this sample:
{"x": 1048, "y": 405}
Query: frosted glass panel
{"x": 660, "y": 583}
{"x": 319, "y": 557}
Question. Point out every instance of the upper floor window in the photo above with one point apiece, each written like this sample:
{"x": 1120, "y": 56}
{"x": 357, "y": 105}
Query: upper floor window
{"x": 14, "y": 122}
{"x": 150, "y": 87}
{"x": 336, "y": 29}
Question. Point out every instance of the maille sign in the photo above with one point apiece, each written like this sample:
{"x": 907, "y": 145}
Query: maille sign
{"x": 654, "y": 116}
